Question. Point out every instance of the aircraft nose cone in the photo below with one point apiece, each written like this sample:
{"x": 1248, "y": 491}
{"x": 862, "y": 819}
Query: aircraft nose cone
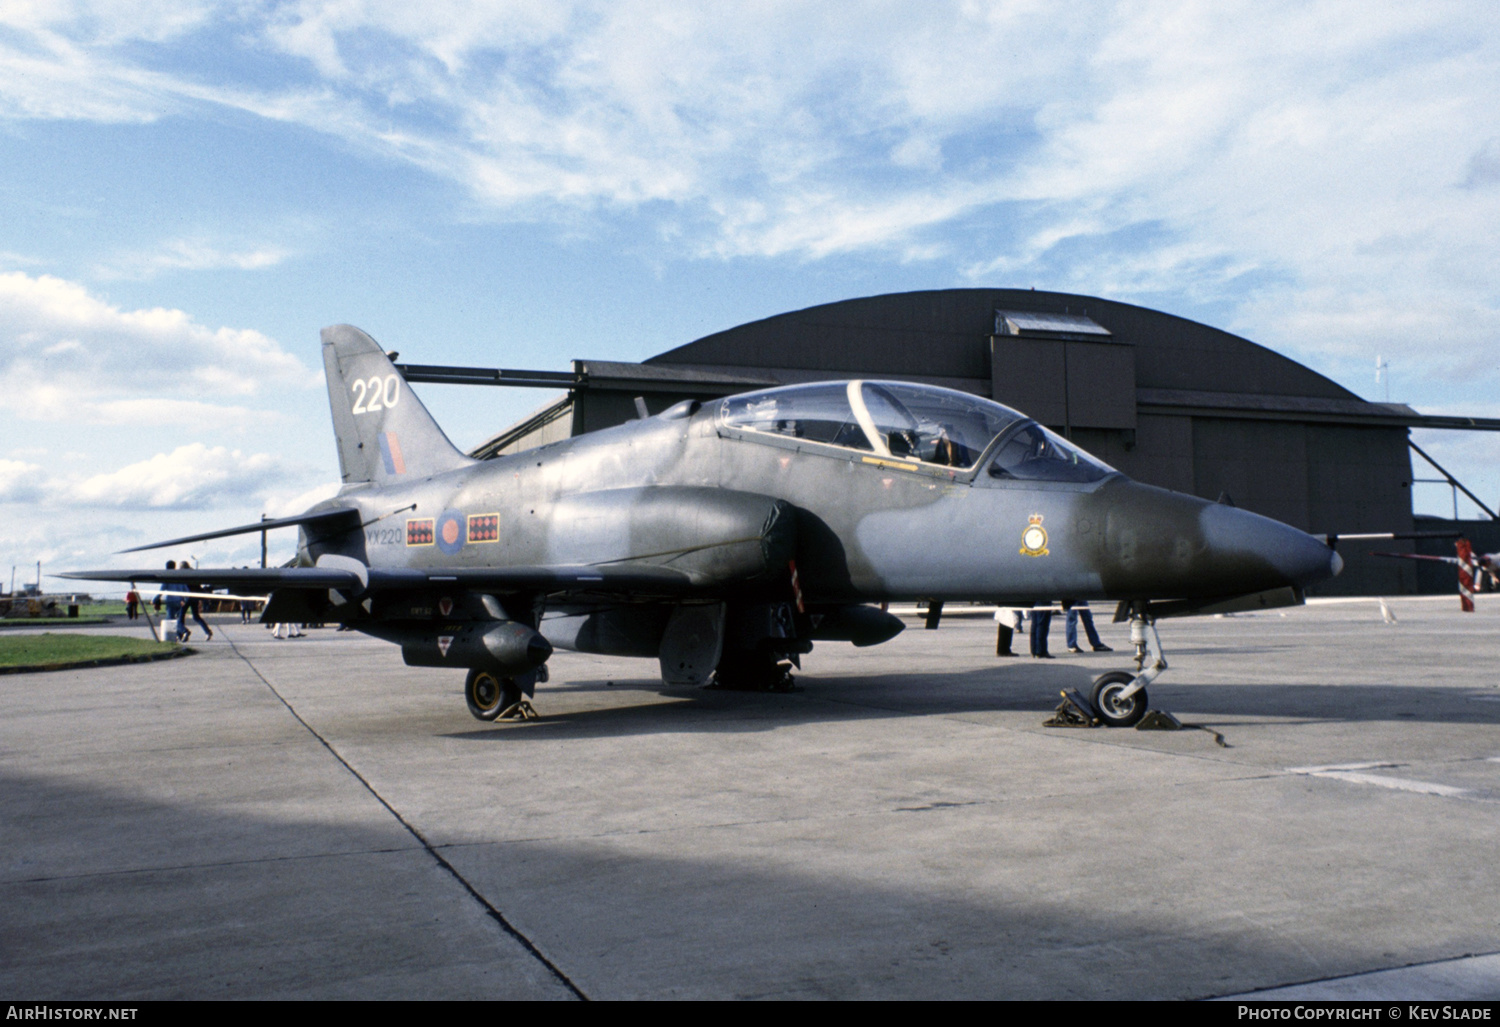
{"x": 1266, "y": 552}
{"x": 1161, "y": 544}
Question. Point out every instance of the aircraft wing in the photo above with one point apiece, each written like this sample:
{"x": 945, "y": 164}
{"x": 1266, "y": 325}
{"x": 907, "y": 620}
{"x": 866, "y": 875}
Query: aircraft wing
{"x": 232, "y": 577}
{"x": 611, "y": 579}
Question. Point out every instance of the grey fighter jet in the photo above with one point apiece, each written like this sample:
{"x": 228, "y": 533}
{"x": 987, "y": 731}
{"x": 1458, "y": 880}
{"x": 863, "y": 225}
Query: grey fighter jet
{"x": 723, "y": 539}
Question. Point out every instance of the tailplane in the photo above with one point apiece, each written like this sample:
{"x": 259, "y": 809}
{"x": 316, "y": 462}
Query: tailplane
{"x": 385, "y": 435}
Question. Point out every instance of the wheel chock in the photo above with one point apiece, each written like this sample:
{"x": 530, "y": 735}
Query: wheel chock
{"x": 1158, "y": 720}
{"x": 1161, "y": 720}
{"x": 1073, "y": 711}
{"x": 522, "y": 710}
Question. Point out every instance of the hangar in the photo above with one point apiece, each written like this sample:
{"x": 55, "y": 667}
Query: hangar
{"x": 1166, "y": 400}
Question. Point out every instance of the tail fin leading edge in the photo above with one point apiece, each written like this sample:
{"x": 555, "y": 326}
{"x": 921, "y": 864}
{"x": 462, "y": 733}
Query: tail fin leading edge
{"x": 384, "y": 433}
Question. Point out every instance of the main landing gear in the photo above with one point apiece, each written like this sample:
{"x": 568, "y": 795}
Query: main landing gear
{"x": 753, "y": 671}
{"x": 1119, "y": 697}
{"x": 492, "y": 697}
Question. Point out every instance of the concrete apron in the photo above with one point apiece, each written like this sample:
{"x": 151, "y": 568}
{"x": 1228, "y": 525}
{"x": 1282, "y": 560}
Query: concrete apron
{"x": 310, "y": 818}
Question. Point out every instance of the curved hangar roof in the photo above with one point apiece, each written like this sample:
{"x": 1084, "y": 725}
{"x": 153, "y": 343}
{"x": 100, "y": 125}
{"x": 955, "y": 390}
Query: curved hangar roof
{"x": 1067, "y": 360}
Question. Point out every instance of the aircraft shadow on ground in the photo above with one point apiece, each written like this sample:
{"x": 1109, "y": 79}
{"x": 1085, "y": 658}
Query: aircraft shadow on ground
{"x": 274, "y": 911}
{"x": 1016, "y": 689}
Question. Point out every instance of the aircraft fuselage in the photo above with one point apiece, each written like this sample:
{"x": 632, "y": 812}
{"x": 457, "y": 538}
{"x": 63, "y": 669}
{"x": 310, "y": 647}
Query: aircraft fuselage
{"x": 867, "y": 528}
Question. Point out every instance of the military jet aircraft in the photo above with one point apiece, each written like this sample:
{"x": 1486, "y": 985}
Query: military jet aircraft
{"x": 723, "y": 539}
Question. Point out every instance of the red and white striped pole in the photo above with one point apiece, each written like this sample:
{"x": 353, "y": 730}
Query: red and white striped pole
{"x": 1465, "y": 574}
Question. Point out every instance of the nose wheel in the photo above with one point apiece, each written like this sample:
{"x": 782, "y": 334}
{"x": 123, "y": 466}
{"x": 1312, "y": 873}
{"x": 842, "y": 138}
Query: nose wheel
{"x": 1119, "y": 697}
{"x": 1115, "y": 707}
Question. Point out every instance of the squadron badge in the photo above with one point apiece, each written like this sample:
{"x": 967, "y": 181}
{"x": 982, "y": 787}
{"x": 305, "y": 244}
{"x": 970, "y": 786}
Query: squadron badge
{"x": 1034, "y": 538}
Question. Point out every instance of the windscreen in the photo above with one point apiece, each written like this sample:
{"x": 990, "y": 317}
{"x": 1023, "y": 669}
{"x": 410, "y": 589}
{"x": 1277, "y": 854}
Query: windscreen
{"x": 1033, "y": 453}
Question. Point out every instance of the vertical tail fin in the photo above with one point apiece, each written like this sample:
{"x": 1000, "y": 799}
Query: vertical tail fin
{"x": 385, "y": 435}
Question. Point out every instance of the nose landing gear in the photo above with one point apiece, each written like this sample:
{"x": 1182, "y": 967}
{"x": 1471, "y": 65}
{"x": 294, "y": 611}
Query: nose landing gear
{"x": 1116, "y": 709}
{"x": 1119, "y": 697}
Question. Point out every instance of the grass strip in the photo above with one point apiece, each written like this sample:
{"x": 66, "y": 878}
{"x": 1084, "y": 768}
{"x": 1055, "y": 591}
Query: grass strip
{"x": 48, "y": 650}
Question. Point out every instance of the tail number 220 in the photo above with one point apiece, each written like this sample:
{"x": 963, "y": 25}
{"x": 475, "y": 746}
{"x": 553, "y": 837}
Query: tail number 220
{"x": 370, "y": 394}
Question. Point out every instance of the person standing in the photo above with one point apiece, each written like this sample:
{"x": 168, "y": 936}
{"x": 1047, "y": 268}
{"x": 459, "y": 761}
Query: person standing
{"x": 1041, "y": 623}
{"x": 1077, "y": 611}
{"x": 176, "y": 608}
{"x": 1007, "y": 622}
{"x": 132, "y": 602}
{"x": 194, "y": 608}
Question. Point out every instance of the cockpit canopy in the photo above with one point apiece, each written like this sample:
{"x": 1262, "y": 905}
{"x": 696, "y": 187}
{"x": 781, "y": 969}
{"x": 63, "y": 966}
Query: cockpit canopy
{"x": 924, "y": 423}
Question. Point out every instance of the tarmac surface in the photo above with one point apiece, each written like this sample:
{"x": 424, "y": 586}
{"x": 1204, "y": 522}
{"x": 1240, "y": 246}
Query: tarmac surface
{"x": 309, "y": 818}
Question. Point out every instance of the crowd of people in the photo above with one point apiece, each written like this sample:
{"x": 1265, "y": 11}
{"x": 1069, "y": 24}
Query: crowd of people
{"x": 1008, "y": 620}
{"x": 181, "y": 603}
{"x": 180, "y": 606}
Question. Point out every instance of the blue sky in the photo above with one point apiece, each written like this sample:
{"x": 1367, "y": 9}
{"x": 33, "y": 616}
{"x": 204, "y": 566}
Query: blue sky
{"x": 189, "y": 191}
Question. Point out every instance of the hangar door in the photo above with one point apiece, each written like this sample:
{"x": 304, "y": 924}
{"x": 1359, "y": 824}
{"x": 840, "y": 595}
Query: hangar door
{"x": 1065, "y": 370}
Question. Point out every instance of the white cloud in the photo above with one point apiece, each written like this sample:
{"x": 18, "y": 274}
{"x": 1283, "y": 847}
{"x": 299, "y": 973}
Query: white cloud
{"x": 191, "y": 255}
{"x": 588, "y": 104}
{"x": 66, "y": 355}
{"x": 190, "y": 477}
{"x": 106, "y": 23}
{"x": 1345, "y": 175}
{"x": 1329, "y": 174}
{"x": 20, "y": 482}
{"x": 79, "y": 518}
{"x": 281, "y": 504}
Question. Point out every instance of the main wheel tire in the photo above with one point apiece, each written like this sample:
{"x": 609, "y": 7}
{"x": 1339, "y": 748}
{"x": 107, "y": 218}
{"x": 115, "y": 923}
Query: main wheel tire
{"x": 752, "y": 672}
{"x": 1114, "y": 711}
{"x": 489, "y": 695}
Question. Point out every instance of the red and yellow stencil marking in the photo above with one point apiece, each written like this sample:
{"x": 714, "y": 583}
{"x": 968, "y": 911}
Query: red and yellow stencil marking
{"x": 419, "y": 532}
{"x": 484, "y": 527}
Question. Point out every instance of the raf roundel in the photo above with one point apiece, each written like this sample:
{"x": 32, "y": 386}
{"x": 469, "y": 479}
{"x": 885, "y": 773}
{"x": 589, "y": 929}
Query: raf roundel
{"x": 451, "y": 532}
